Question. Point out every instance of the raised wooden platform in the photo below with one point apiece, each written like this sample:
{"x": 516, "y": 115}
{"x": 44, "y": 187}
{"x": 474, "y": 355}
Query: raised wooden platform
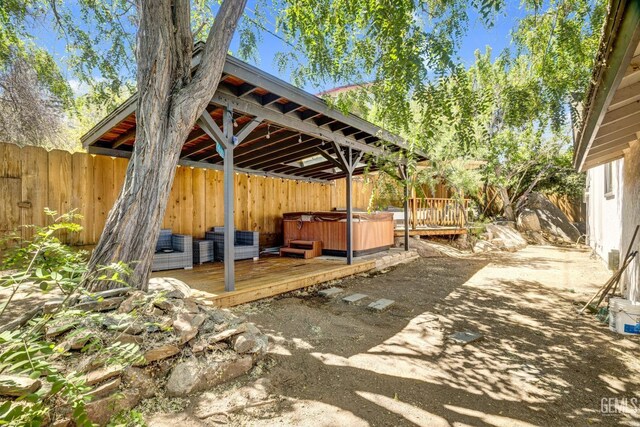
{"x": 264, "y": 278}
{"x": 435, "y": 231}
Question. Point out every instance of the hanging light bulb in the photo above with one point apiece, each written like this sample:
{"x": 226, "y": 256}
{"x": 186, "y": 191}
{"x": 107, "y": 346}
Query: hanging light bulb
{"x": 268, "y": 131}
{"x": 300, "y": 138}
{"x": 235, "y": 123}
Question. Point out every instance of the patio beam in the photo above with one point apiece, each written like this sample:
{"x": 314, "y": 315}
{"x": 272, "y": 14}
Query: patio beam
{"x": 103, "y": 151}
{"x": 246, "y": 106}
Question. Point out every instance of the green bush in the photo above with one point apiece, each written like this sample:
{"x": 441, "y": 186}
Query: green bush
{"x": 43, "y": 264}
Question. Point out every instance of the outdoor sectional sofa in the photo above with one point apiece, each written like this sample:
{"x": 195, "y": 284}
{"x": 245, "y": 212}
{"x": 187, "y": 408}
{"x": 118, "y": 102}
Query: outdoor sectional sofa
{"x": 247, "y": 243}
{"x": 173, "y": 251}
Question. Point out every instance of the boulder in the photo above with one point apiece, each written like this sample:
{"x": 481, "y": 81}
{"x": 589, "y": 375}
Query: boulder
{"x": 173, "y": 288}
{"x": 197, "y": 375}
{"x": 528, "y": 221}
{"x": 509, "y": 239}
{"x": 552, "y": 220}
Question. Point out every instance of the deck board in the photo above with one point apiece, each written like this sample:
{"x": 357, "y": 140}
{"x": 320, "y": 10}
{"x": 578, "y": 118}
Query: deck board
{"x": 266, "y": 277}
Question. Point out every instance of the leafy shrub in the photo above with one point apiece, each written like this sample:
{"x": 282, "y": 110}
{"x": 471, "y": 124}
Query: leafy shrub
{"x": 44, "y": 264}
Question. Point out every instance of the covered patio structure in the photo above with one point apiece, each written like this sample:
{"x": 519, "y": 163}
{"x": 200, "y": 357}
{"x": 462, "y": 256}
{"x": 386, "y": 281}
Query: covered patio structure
{"x": 258, "y": 124}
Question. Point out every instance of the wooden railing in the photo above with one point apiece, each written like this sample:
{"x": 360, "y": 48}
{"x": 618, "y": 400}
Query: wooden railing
{"x": 437, "y": 212}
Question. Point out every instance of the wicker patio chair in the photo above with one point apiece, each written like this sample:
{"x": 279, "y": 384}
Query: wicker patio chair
{"x": 181, "y": 255}
{"x": 247, "y": 243}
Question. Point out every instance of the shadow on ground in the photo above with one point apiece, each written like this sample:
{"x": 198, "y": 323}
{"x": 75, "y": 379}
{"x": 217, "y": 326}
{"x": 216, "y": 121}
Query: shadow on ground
{"x": 537, "y": 364}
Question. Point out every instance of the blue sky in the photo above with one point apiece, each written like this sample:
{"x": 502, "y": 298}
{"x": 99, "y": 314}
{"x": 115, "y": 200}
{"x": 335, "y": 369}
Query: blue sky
{"x": 477, "y": 37}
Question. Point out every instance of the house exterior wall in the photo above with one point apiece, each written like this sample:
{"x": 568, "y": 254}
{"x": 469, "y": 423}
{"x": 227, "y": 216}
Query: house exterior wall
{"x": 604, "y": 209}
{"x": 612, "y": 217}
{"x": 631, "y": 218}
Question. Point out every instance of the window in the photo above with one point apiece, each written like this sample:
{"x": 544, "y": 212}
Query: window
{"x": 608, "y": 181}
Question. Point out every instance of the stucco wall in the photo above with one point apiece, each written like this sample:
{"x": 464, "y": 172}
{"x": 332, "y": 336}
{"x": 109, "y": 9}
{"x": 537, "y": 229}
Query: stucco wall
{"x": 631, "y": 217}
{"x": 604, "y": 212}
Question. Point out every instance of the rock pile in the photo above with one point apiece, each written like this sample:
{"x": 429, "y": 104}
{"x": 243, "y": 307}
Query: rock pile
{"x": 178, "y": 344}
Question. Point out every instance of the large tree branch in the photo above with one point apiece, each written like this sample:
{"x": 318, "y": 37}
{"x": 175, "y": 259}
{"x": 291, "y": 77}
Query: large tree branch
{"x": 193, "y": 99}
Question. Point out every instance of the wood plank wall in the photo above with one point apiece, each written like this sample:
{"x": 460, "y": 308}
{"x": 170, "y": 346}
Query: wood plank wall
{"x": 32, "y": 178}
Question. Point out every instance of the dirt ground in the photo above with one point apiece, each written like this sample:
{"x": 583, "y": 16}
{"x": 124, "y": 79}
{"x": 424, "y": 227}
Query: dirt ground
{"x": 539, "y": 363}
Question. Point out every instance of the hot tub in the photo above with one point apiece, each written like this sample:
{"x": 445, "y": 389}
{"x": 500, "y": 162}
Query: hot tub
{"x": 372, "y": 232}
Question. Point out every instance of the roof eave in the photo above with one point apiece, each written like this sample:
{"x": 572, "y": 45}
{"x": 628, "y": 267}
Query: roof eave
{"x": 619, "y": 40}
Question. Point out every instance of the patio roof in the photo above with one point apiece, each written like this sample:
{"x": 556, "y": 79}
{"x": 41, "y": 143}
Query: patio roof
{"x": 611, "y": 117}
{"x": 283, "y": 131}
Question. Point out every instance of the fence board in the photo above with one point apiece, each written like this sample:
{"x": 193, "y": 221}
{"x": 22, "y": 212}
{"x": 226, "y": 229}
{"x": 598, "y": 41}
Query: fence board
{"x": 35, "y": 166}
{"x": 91, "y": 184}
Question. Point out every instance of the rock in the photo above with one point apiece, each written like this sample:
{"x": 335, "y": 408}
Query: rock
{"x": 424, "y": 248}
{"x": 465, "y": 337}
{"x": 100, "y": 305}
{"x": 512, "y": 240}
{"x": 103, "y": 374}
{"x": 18, "y": 385}
{"x": 172, "y": 305}
{"x": 352, "y": 299}
{"x": 329, "y": 292}
{"x": 172, "y": 288}
{"x": 106, "y": 388}
{"x": 100, "y": 411}
{"x": 534, "y": 237}
{"x": 250, "y": 343}
{"x": 160, "y": 353}
{"x": 135, "y": 300}
{"x": 57, "y": 327}
{"x": 185, "y": 378}
{"x": 381, "y": 304}
{"x": 52, "y": 305}
{"x": 128, "y": 339}
{"x": 228, "y": 370}
{"x": 198, "y": 375}
{"x": 528, "y": 221}
{"x": 138, "y": 379}
{"x": 226, "y": 334}
{"x": 552, "y": 220}
{"x": 186, "y": 326}
{"x": 76, "y": 340}
{"x": 483, "y": 246}
{"x": 123, "y": 323}
{"x": 191, "y": 306}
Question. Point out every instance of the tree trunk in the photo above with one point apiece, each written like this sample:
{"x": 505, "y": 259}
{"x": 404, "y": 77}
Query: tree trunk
{"x": 170, "y": 100}
{"x": 507, "y": 207}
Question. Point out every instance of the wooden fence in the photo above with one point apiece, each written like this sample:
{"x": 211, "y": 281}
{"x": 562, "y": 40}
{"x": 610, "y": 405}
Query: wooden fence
{"x": 32, "y": 178}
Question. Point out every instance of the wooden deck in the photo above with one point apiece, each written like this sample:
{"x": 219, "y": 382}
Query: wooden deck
{"x": 267, "y": 277}
{"x": 431, "y": 231}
